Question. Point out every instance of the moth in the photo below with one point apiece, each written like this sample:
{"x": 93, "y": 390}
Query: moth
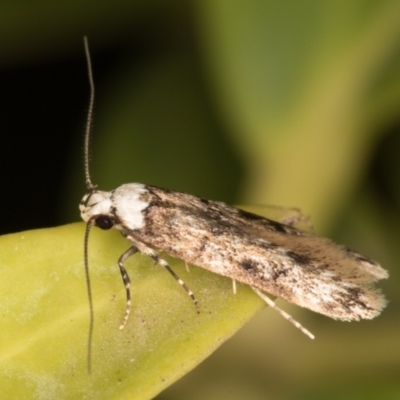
{"x": 271, "y": 257}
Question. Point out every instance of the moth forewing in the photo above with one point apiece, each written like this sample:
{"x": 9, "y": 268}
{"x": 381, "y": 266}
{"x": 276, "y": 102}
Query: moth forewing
{"x": 271, "y": 257}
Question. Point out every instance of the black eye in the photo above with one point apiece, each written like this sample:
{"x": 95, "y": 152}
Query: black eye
{"x": 104, "y": 222}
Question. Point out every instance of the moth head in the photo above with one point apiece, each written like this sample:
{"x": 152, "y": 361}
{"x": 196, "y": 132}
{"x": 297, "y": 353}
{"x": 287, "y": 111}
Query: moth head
{"x": 96, "y": 206}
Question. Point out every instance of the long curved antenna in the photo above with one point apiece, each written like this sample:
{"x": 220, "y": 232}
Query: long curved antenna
{"x": 90, "y": 188}
{"x": 89, "y": 119}
{"x": 89, "y": 293}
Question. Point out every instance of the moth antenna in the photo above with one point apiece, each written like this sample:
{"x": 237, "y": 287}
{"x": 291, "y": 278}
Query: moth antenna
{"x": 90, "y": 187}
{"x": 89, "y": 119}
{"x": 89, "y": 225}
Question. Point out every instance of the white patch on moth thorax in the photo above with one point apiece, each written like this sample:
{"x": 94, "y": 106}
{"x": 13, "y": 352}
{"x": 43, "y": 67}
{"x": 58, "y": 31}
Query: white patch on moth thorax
{"x": 128, "y": 205}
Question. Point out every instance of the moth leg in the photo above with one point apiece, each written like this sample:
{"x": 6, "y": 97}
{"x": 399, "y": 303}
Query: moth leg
{"x": 187, "y": 266}
{"x": 234, "y": 286}
{"x": 164, "y": 264}
{"x": 127, "y": 282}
{"x": 298, "y": 220}
{"x": 151, "y": 253}
{"x": 283, "y": 313}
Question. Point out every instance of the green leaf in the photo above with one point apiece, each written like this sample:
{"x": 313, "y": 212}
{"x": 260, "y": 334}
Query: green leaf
{"x": 45, "y": 318}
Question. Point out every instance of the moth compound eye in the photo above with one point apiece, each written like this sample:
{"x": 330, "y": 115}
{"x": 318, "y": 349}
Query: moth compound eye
{"x": 104, "y": 222}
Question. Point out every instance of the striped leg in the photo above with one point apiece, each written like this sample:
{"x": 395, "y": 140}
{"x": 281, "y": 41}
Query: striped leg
{"x": 127, "y": 282}
{"x": 163, "y": 263}
{"x": 283, "y": 313}
{"x": 151, "y": 253}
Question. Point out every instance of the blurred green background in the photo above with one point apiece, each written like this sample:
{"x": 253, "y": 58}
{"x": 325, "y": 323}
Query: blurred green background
{"x": 248, "y": 102}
